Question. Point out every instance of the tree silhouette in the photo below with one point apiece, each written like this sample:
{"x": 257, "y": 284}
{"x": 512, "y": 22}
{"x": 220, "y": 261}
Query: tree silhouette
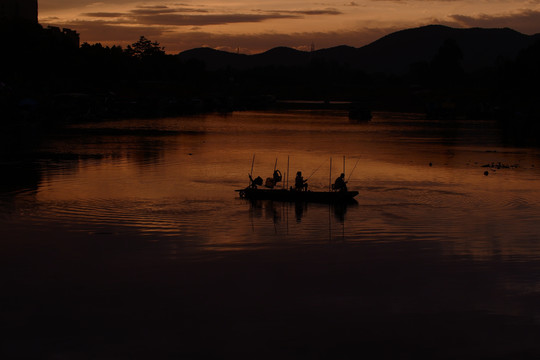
{"x": 144, "y": 48}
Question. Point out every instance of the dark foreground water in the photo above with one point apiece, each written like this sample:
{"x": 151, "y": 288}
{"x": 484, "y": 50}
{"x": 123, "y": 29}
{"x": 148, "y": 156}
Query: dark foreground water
{"x": 125, "y": 240}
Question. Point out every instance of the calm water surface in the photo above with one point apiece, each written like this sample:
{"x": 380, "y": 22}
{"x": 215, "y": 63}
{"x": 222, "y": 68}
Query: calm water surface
{"x": 130, "y": 204}
{"x": 174, "y": 179}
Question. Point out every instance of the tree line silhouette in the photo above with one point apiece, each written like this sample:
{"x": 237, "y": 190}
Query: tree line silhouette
{"x": 48, "y": 80}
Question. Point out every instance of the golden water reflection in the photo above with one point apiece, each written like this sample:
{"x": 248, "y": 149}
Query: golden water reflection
{"x": 175, "y": 179}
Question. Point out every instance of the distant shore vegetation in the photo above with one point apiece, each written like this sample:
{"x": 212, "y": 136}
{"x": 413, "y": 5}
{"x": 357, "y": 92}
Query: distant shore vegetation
{"x": 47, "y": 80}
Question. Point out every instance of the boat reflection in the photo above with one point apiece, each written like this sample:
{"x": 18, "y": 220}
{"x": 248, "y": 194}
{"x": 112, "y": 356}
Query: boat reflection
{"x": 299, "y": 222}
{"x": 278, "y": 210}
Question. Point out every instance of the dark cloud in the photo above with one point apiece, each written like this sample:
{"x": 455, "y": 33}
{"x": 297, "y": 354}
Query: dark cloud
{"x": 70, "y": 4}
{"x": 189, "y": 16}
{"x": 526, "y": 21}
{"x": 200, "y": 20}
{"x": 329, "y": 11}
{"x": 104, "y": 14}
{"x": 319, "y": 12}
{"x": 155, "y": 6}
{"x": 142, "y": 11}
{"x": 165, "y": 10}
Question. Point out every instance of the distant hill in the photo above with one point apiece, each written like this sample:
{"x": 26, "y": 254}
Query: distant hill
{"x": 480, "y": 47}
{"x": 215, "y": 59}
{"x": 280, "y": 56}
{"x": 393, "y": 53}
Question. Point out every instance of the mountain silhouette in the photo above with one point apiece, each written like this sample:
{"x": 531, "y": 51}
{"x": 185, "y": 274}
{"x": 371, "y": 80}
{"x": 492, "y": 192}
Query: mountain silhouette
{"x": 280, "y": 56}
{"x": 215, "y": 59}
{"x": 393, "y": 53}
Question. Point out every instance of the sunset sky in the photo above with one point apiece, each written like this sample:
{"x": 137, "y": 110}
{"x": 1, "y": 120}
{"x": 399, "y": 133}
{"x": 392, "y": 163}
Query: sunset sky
{"x": 257, "y": 26}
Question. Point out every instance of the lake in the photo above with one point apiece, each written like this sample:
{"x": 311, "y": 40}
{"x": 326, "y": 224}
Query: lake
{"x": 126, "y": 239}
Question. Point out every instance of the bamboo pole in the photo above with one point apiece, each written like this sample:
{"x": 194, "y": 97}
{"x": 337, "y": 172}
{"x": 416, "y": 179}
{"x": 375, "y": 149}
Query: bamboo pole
{"x": 287, "y": 171}
{"x": 330, "y": 177}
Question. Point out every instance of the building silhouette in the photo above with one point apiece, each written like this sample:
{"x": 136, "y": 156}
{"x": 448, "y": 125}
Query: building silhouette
{"x": 67, "y": 36}
{"x": 19, "y": 10}
{"x": 17, "y": 13}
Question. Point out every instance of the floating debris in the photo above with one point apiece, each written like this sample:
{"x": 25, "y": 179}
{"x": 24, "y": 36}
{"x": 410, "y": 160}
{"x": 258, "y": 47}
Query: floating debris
{"x": 500, "y": 165}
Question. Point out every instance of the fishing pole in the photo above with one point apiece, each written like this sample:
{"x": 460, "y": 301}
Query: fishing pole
{"x": 330, "y": 176}
{"x": 287, "y": 171}
{"x": 313, "y": 173}
{"x": 251, "y": 172}
{"x": 353, "y": 169}
{"x": 252, "y": 162}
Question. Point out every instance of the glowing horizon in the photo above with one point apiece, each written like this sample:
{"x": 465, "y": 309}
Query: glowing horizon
{"x": 249, "y": 28}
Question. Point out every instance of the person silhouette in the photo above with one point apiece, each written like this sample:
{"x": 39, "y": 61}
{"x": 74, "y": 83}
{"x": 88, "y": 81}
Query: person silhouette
{"x": 276, "y": 177}
{"x": 299, "y": 182}
{"x": 340, "y": 184}
{"x": 254, "y": 182}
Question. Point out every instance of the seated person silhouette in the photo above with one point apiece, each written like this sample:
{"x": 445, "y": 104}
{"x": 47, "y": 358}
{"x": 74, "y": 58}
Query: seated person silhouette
{"x": 271, "y": 182}
{"x": 254, "y": 182}
{"x": 299, "y": 182}
{"x": 340, "y": 184}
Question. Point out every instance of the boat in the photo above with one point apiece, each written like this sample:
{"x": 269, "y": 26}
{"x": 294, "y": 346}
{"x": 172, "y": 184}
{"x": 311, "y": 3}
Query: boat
{"x": 292, "y": 195}
{"x": 337, "y": 194}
